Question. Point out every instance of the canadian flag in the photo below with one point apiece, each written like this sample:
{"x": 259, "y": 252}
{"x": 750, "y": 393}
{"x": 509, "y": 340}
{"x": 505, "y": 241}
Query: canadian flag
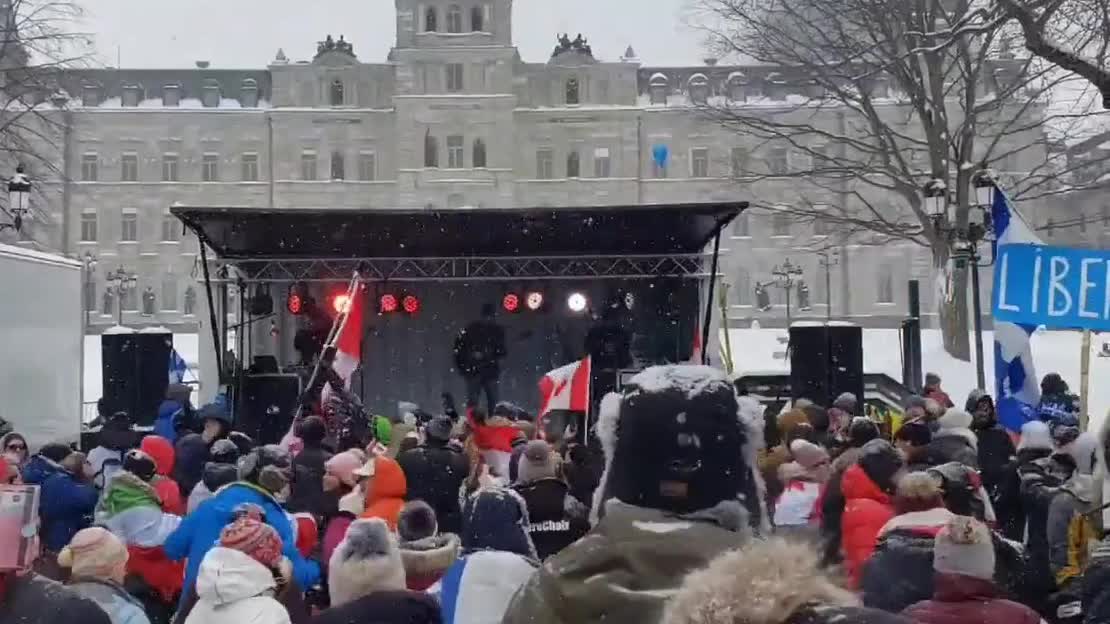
{"x": 348, "y": 341}
{"x": 566, "y": 388}
{"x": 697, "y": 348}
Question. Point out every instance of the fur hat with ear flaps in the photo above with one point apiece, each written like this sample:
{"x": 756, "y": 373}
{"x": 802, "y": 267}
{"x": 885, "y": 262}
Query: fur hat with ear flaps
{"x": 679, "y": 439}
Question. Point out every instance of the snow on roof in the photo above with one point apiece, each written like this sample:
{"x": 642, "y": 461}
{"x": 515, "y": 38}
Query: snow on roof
{"x": 691, "y": 380}
{"x": 117, "y": 330}
{"x": 658, "y": 76}
{"x": 736, "y": 75}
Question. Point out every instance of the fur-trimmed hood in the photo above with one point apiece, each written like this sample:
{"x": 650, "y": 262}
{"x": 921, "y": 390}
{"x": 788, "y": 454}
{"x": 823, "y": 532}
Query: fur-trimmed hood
{"x": 431, "y": 554}
{"x": 766, "y": 582}
{"x": 959, "y": 432}
{"x": 366, "y": 561}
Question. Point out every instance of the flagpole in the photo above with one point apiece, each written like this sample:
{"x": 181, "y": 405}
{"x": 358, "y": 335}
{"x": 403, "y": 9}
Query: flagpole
{"x": 333, "y": 335}
{"x": 1084, "y": 378}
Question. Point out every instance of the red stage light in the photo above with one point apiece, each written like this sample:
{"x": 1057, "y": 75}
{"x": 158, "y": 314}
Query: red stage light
{"x": 294, "y": 303}
{"x": 341, "y": 303}
{"x": 388, "y": 304}
{"x": 411, "y": 304}
{"x": 511, "y": 302}
{"x": 534, "y": 300}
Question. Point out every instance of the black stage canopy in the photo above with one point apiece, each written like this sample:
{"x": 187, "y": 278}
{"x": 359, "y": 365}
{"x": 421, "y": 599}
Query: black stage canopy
{"x": 293, "y": 234}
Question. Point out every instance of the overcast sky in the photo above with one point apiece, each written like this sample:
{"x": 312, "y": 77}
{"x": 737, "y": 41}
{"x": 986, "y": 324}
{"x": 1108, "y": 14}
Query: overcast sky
{"x": 247, "y": 33}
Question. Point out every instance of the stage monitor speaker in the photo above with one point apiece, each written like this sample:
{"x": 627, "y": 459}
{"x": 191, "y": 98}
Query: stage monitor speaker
{"x": 135, "y": 371}
{"x": 826, "y": 361}
{"x": 268, "y": 405}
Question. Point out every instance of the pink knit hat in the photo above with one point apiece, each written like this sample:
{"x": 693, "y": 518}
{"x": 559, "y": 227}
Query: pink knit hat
{"x": 94, "y": 553}
{"x": 344, "y": 465}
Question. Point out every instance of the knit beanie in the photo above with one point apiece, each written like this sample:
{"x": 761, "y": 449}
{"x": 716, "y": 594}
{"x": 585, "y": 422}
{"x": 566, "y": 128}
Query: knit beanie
{"x": 94, "y": 553}
{"x": 881, "y": 462}
{"x": 224, "y": 452}
{"x": 915, "y": 432}
{"x": 255, "y": 538}
{"x": 918, "y": 491}
{"x": 847, "y": 402}
{"x": 55, "y": 451}
{"x": 537, "y": 462}
{"x": 1035, "y": 435}
{"x": 343, "y": 466}
{"x": 808, "y": 454}
{"x": 416, "y": 521}
{"x": 439, "y": 429}
{"x": 790, "y": 419}
{"x": 366, "y": 561}
{"x": 955, "y": 419}
{"x": 140, "y": 464}
{"x": 964, "y": 546}
{"x": 861, "y": 431}
{"x": 312, "y": 430}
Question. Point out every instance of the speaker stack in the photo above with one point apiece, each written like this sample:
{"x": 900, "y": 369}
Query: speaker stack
{"x": 268, "y": 404}
{"x": 826, "y": 360}
{"x": 135, "y": 370}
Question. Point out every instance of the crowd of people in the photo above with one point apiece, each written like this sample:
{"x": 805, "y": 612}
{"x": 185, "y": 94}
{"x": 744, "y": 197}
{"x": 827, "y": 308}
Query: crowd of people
{"x": 689, "y": 505}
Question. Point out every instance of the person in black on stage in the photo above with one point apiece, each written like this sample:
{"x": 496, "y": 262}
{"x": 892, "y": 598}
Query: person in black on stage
{"x": 609, "y": 346}
{"x": 479, "y": 349}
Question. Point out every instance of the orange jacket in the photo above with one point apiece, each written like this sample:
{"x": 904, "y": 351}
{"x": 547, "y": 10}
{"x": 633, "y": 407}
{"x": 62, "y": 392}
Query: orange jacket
{"x": 866, "y": 509}
{"x": 385, "y": 492}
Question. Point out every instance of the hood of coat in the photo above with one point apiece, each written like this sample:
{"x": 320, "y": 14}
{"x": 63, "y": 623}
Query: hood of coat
{"x": 767, "y": 582}
{"x": 856, "y": 484}
{"x": 161, "y": 451}
{"x": 431, "y": 554}
{"x": 126, "y": 491}
{"x": 388, "y": 481}
{"x": 925, "y": 522}
{"x": 962, "y": 433}
{"x": 227, "y": 576}
{"x": 218, "y": 475}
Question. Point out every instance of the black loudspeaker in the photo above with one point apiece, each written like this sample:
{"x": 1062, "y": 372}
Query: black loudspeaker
{"x": 268, "y": 405}
{"x": 826, "y": 361}
{"x": 135, "y": 370}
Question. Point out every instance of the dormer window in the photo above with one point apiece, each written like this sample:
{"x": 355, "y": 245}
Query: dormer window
{"x": 572, "y": 92}
{"x": 477, "y": 19}
{"x": 735, "y": 83}
{"x": 132, "y": 95}
{"x": 248, "y": 93}
{"x": 171, "y": 95}
{"x": 90, "y": 95}
{"x": 454, "y": 19}
{"x": 431, "y": 20}
{"x": 658, "y": 88}
{"x": 211, "y": 95}
{"x": 776, "y": 86}
{"x": 335, "y": 97}
{"x": 698, "y": 86}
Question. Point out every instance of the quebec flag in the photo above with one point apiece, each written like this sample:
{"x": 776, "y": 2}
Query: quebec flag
{"x": 177, "y": 367}
{"x": 1015, "y": 380}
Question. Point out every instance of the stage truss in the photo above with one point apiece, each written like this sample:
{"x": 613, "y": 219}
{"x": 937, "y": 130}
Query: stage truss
{"x": 694, "y": 266}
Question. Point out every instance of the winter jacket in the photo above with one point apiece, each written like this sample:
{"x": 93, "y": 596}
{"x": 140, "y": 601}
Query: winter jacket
{"x": 866, "y": 509}
{"x": 796, "y": 504}
{"x": 434, "y": 473}
{"x": 192, "y": 454}
{"x": 161, "y": 450}
{"x": 334, "y": 534}
{"x": 426, "y": 560}
{"x": 386, "y": 492}
{"x": 829, "y": 508}
{"x": 384, "y": 607}
{"x": 953, "y": 445}
{"x": 38, "y": 468}
{"x": 173, "y": 414}
{"x": 234, "y": 589}
{"x": 1041, "y": 480}
{"x": 1096, "y": 585}
{"x": 200, "y": 531}
{"x": 1070, "y": 532}
{"x": 65, "y": 506}
{"x": 113, "y": 599}
{"x": 960, "y": 599}
{"x": 998, "y": 469}
{"x": 35, "y": 599}
{"x": 627, "y": 566}
{"x": 478, "y": 587}
{"x": 479, "y": 348}
{"x": 215, "y": 477}
{"x": 308, "y": 484}
{"x": 553, "y": 521}
{"x": 900, "y": 571}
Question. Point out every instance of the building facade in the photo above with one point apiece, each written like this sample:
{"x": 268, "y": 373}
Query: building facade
{"x": 453, "y": 117}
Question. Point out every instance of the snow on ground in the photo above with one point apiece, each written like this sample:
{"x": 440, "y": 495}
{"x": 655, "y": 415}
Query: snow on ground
{"x": 764, "y": 351}
{"x": 186, "y": 345}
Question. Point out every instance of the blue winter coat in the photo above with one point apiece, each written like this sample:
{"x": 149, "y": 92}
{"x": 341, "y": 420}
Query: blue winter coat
{"x": 38, "y": 468}
{"x": 66, "y": 506}
{"x": 200, "y": 531}
{"x": 164, "y": 422}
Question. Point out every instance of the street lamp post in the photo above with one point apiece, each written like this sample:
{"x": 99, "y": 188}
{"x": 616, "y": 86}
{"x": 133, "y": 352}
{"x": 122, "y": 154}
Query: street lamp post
{"x": 88, "y": 301}
{"x": 19, "y": 199}
{"x": 785, "y": 275}
{"x": 963, "y": 243}
{"x": 827, "y": 260}
{"x": 123, "y": 282}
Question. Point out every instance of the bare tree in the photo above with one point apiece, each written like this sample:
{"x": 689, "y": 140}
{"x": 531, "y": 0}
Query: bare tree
{"x": 871, "y": 99}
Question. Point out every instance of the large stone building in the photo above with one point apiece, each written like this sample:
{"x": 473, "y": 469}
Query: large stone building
{"x": 454, "y": 117}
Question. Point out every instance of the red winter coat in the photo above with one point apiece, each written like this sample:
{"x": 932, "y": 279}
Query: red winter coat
{"x": 960, "y": 599}
{"x": 162, "y": 575}
{"x": 866, "y": 509}
{"x": 161, "y": 451}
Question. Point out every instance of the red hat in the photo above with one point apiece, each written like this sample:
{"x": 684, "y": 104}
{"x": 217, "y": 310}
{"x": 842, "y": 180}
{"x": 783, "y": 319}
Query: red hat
{"x": 255, "y": 538}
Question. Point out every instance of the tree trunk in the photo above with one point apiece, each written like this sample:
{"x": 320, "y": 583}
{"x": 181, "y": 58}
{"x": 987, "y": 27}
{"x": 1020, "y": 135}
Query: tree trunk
{"x": 954, "y": 318}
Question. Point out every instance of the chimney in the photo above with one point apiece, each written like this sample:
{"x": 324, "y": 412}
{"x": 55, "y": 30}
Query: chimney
{"x": 203, "y": 64}
{"x": 710, "y": 61}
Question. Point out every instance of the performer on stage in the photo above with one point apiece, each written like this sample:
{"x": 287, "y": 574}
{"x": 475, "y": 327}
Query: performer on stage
{"x": 479, "y": 349}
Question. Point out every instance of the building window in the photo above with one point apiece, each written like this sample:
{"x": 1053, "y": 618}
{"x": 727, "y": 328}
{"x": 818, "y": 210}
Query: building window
{"x": 778, "y": 161}
{"x": 169, "y": 292}
{"x": 454, "y": 77}
{"x": 336, "y": 93}
{"x": 367, "y": 167}
{"x": 129, "y": 168}
{"x": 545, "y": 164}
{"x": 572, "y": 164}
{"x": 210, "y": 168}
{"x": 699, "y": 162}
{"x": 431, "y": 151}
{"x": 477, "y": 23}
{"x": 250, "y": 167}
{"x": 572, "y": 95}
{"x": 169, "y": 168}
{"x": 90, "y": 167}
{"x": 738, "y": 161}
{"x": 430, "y": 19}
{"x": 884, "y": 293}
{"x": 454, "y": 19}
{"x": 742, "y": 226}
{"x": 455, "y": 152}
{"x": 129, "y": 227}
{"x": 743, "y": 287}
{"x": 780, "y": 224}
{"x": 171, "y": 229}
{"x": 88, "y": 227}
{"x": 308, "y": 165}
{"x": 338, "y": 167}
{"x": 479, "y": 157}
{"x": 602, "y": 163}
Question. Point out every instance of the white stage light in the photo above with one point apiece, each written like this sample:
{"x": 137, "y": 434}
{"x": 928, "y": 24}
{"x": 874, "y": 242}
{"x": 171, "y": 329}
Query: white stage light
{"x": 577, "y": 302}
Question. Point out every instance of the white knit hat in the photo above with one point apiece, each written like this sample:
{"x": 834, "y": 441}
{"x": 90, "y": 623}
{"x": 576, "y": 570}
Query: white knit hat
{"x": 1035, "y": 435}
{"x": 964, "y": 546}
{"x": 955, "y": 419}
{"x": 368, "y": 560}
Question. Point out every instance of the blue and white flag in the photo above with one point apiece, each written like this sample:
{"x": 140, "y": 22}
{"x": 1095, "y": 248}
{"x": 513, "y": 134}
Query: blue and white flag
{"x": 1015, "y": 380}
{"x": 177, "y": 367}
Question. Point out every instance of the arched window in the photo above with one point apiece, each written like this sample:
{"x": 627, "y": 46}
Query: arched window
{"x": 338, "y": 170}
{"x": 572, "y": 91}
{"x": 572, "y": 164}
{"x": 337, "y": 93}
{"x": 479, "y": 158}
{"x": 477, "y": 19}
{"x": 430, "y": 19}
{"x": 431, "y": 151}
{"x": 454, "y": 19}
